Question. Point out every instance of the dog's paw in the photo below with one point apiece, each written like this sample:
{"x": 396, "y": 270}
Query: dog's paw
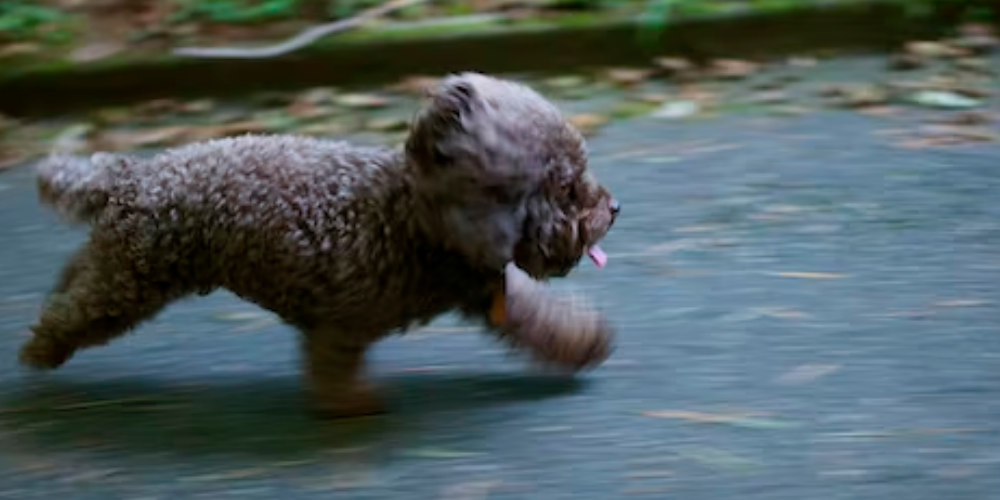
{"x": 349, "y": 404}
{"x": 575, "y": 343}
{"x": 562, "y": 335}
{"x": 43, "y": 354}
{"x": 562, "y": 332}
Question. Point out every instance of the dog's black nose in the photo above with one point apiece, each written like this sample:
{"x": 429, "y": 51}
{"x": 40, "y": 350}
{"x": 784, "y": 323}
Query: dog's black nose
{"x": 615, "y": 207}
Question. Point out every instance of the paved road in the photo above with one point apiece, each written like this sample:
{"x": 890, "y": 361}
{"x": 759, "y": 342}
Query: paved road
{"x": 875, "y": 375}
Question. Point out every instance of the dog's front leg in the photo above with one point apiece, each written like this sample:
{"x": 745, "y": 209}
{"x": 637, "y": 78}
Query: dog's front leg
{"x": 335, "y": 375}
{"x": 556, "y": 331}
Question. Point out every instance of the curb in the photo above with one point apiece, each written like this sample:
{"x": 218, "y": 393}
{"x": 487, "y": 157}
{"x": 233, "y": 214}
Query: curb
{"x": 877, "y": 25}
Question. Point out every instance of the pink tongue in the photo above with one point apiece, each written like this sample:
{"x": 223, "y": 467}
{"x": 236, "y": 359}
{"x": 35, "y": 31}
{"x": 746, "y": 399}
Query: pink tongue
{"x": 598, "y": 256}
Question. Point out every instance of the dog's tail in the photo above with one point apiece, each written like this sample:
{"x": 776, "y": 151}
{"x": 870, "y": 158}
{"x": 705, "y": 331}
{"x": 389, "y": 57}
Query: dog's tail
{"x": 76, "y": 187}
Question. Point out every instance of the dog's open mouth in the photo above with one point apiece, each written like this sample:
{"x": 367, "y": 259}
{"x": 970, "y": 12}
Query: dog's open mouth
{"x": 598, "y": 256}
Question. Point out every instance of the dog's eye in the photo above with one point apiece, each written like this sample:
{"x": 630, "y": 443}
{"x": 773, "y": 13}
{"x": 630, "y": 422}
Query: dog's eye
{"x": 439, "y": 157}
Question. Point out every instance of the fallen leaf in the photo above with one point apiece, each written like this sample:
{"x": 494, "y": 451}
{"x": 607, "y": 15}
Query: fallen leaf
{"x": 773, "y": 84}
{"x": 834, "y": 90}
{"x": 361, "y": 101}
{"x": 880, "y": 111}
{"x": 630, "y": 109}
{"x": 979, "y": 38}
{"x": 940, "y": 85}
{"x": 704, "y": 98}
{"x": 6, "y": 123}
{"x": 651, "y": 98}
{"x": 628, "y": 77}
{"x": 784, "y": 313}
{"x": 19, "y": 49}
{"x": 700, "y": 228}
{"x": 197, "y": 106}
{"x": 802, "y": 62}
{"x": 859, "y": 96}
{"x": 677, "y": 109}
{"x": 440, "y": 453}
{"x": 73, "y": 139}
{"x": 123, "y": 140}
{"x": 387, "y": 124}
{"x": 786, "y": 209}
{"x": 90, "y": 476}
{"x": 975, "y": 65}
{"x": 323, "y": 129}
{"x": 565, "y": 82}
{"x": 976, "y": 29}
{"x": 157, "y": 107}
{"x": 929, "y": 49}
{"x": 809, "y": 275}
{"x": 906, "y": 62}
{"x": 717, "y": 458}
{"x": 962, "y": 303}
{"x": 694, "y": 416}
{"x": 950, "y": 135}
{"x": 789, "y": 110}
{"x": 674, "y": 66}
{"x": 95, "y": 51}
{"x": 944, "y": 99}
{"x": 755, "y": 313}
{"x": 805, "y": 374}
{"x": 768, "y": 97}
{"x": 273, "y": 119}
{"x": 12, "y": 155}
{"x": 904, "y": 314}
{"x": 650, "y": 474}
{"x": 240, "y": 316}
{"x": 112, "y": 116}
{"x": 319, "y": 95}
{"x": 228, "y": 129}
{"x": 304, "y": 111}
{"x": 732, "y": 69}
{"x": 739, "y": 420}
{"x": 588, "y": 123}
{"x": 896, "y": 433}
{"x": 227, "y": 476}
{"x": 416, "y": 85}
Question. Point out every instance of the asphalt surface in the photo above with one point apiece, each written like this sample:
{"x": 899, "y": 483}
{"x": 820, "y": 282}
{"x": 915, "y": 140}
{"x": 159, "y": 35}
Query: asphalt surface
{"x": 805, "y": 271}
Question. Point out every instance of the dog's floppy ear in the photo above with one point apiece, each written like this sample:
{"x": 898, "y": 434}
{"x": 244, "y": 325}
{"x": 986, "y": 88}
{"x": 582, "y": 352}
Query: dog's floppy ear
{"x": 471, "y": 171}
{"x": 455, "y": 95}
{"x": 440, "y": 123}
{"x": 490, "y": 216}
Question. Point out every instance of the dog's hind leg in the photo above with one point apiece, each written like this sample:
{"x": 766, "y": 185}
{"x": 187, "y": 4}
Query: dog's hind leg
{"x": 95, "y": 301}
{"x": 335, "y": 371}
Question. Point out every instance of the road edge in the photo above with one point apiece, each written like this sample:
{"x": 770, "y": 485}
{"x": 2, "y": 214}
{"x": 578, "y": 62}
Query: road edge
{"x": 877, "y": 25}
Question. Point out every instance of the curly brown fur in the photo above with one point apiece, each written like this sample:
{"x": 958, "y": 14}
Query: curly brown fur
{"x": 347, "y": 244}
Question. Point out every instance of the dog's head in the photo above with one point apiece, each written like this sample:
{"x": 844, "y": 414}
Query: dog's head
{"x": 501, "y": 176}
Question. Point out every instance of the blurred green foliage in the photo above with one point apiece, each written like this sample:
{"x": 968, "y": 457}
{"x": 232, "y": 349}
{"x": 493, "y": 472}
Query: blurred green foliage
{"x": 236, "y": 11}
{"x": 30, "y": 20}
{"x": 26, "y": 20}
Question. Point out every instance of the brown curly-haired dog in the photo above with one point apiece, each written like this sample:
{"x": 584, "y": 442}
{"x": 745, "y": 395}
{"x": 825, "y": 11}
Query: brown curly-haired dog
{"x": 345, "y": 243}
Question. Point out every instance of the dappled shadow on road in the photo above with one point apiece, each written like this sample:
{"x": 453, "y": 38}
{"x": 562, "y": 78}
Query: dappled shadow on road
{"x": 263, "y": 418}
